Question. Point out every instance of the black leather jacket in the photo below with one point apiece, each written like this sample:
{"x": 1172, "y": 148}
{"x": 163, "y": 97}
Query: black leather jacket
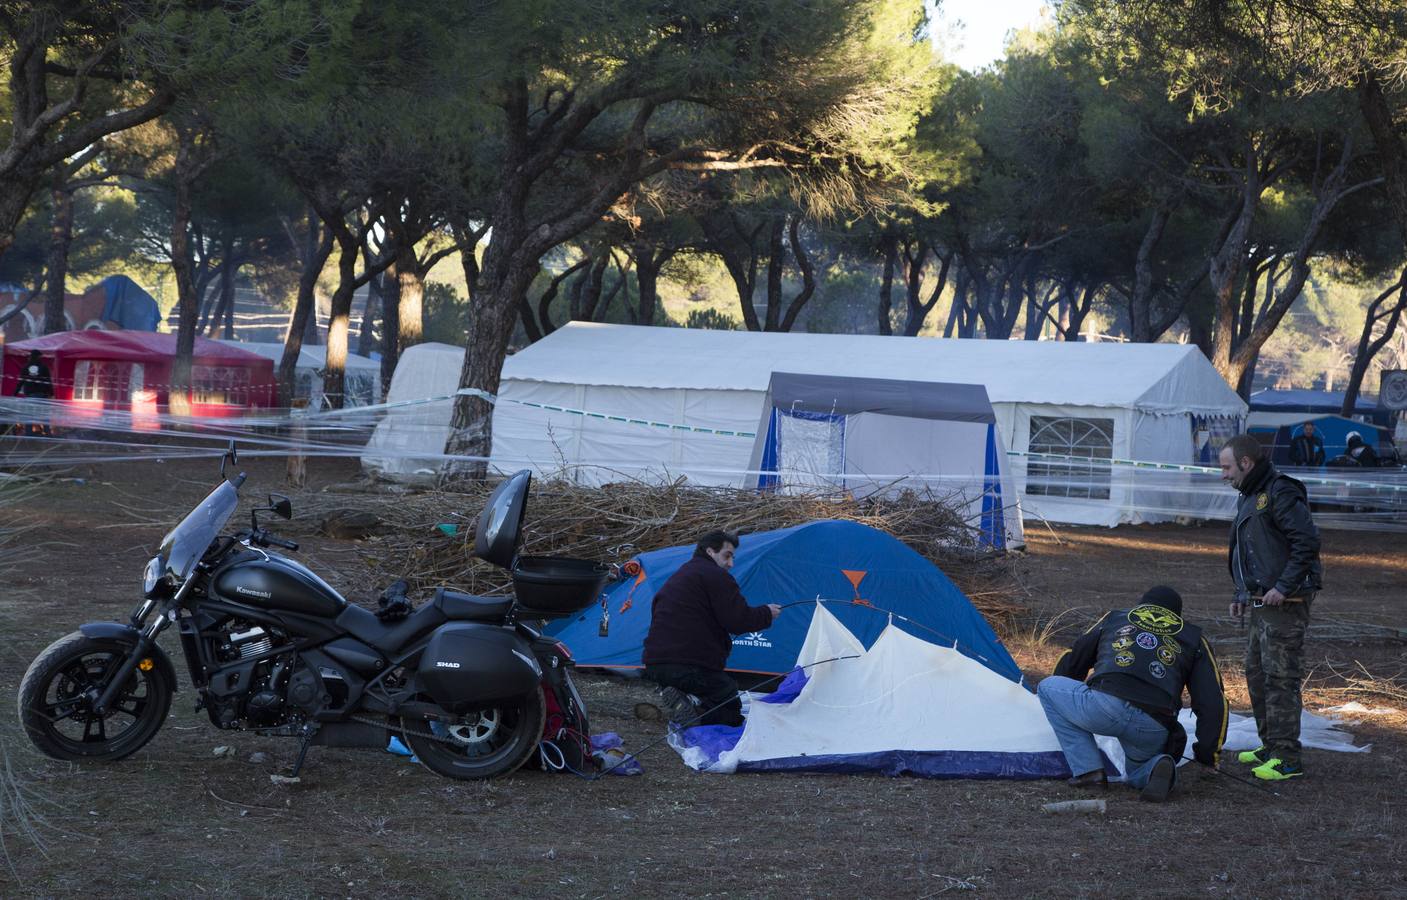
{"x": 1274, "y": 542}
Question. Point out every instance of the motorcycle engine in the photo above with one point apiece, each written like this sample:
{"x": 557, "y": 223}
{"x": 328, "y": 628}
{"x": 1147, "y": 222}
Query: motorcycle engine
{"x": 246, "y": 690}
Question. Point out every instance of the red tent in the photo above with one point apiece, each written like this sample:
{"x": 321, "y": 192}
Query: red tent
{"x": 131, "y": 370}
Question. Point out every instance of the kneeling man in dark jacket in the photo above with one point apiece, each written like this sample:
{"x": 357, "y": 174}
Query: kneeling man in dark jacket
{"x": 695, "y": 615}
{"x": 1143, "y": 658}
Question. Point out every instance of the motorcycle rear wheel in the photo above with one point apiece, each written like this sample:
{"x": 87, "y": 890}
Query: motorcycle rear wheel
{"x": 58, "y": 717}
{"x": 484, "y": 744}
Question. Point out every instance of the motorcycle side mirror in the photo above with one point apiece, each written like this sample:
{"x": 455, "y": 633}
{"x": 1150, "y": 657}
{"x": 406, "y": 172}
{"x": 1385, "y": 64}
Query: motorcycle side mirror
{"x": 281, "y": 506}
{"x": 230, "y": 457}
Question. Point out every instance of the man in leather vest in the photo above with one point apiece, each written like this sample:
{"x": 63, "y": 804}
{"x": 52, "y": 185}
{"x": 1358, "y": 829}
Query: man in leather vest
{"x": 1274, "y": 563}
{"x": 1142, "y": 658}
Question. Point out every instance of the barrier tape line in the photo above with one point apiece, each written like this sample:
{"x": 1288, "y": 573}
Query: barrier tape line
{"x": 222, "y": 428}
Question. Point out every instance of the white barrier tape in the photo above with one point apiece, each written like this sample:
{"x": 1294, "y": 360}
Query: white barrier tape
{"x": 355, "y": 424}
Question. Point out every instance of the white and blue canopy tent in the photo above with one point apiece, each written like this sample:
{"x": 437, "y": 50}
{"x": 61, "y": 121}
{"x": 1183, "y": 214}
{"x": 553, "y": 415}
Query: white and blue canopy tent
{"x": 881, "y": 435}
{"x": 600, "y": 402}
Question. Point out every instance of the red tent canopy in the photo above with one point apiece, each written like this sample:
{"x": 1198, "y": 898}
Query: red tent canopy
{"x": 136, "y": 346}
{"x": 111, "y": 368}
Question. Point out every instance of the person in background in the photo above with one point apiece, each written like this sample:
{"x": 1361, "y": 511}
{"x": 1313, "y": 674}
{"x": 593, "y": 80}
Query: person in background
{"x": 1142, "y": 658}
{"x": 1360, "y": 452}
{"x": 694, "y": 616}
{"x": 1307, "y": 448}
{"x": 1275, "y": 568}
{"x": 35, "y": 383}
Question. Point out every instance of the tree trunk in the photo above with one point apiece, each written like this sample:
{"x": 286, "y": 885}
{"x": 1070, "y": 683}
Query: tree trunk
{"x": 366, "y": 334}
{"x": 1226, "y": 267}
{"x": 182, "y": 263}
{"x": 492, "y": 314}
{"x": 916, "y": 309}
{"x": 339, "y": 319}
{"x": 1079, "y": 308}
{"x": 733, "y": 244}
{"x": 317, "y": 247}
{"x": 776, "y": 259}
{"x": 808, "y": 276}
{"x": 1141, "y": 297}
{"x": 889, "y": 249}
{"x": 648, "y": 264}
{"x": 1387, "y": 140}
{"x": 1248, "y": 377}
{"x": 1395, "y": 298}
{"x": 586, "y": 291}
{"x": 411, "y": 296}
{"x": 60, "y": 239}
{"x": 544, "y": 303}
{"x": 1328, "y": 194}
{"x": 390, "y": 324}
{"x": 227, "y": 291}
{"x": 956, "y": 312}
{"x": 603, "y": 309}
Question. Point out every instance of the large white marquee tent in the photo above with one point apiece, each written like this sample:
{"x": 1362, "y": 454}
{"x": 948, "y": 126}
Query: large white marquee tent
{"x": 605, "y": 401}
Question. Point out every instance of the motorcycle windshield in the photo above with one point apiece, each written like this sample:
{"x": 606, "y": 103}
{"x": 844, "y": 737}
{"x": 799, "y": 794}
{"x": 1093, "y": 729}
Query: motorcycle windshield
{"x": 185, "y": 544}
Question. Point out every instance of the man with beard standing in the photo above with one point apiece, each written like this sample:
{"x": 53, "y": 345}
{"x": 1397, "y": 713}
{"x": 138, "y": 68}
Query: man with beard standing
{"x": 1274, "y": 562}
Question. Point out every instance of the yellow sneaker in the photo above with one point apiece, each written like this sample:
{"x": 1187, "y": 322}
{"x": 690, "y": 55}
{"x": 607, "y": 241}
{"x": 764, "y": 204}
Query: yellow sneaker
{"x": 1250, "y": 757}
{"x": 1276, "y": 770}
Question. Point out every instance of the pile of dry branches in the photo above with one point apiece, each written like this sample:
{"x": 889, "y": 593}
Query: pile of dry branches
{"x": 618, "y": 521}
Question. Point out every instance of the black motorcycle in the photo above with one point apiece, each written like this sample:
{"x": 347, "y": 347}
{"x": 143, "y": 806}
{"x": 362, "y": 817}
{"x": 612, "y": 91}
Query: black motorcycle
{"x": 270, "y": 647}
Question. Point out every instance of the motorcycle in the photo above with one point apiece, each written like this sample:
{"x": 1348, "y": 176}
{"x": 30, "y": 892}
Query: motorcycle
{"x": 466, "y": 681}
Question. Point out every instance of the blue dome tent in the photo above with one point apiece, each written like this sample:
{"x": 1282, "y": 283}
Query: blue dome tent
{"x": 868, "y": 573}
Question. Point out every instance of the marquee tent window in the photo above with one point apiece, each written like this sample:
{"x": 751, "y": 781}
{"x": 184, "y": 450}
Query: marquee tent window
{"x": 112, "y": 382}
{"x": 810, "y": 450}
{"x": 1079, "y": 440}
{"x": 220, "y": 384}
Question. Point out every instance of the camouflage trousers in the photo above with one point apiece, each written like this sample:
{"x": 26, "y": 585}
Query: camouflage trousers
{"x": 1274, "y": 673}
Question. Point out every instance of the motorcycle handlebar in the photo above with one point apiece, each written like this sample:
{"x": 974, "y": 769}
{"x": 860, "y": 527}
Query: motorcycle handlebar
{"x": 280, "y": 542}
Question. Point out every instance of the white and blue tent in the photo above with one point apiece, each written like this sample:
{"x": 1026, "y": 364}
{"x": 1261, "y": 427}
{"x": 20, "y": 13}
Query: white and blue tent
{"x": 904, "y": 706}
{"x": 867, "y": 579}
{"x": 881, "y": 435}
{"x": 597, "y": 403}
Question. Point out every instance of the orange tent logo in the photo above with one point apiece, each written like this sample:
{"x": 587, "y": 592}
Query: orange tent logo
{"x": 855, "y": 576}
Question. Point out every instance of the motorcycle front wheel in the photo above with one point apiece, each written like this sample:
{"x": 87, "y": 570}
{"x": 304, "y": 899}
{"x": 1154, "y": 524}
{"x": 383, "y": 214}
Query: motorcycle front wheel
{"x": 483, "y": 744}
{"x": 56, "y": 711}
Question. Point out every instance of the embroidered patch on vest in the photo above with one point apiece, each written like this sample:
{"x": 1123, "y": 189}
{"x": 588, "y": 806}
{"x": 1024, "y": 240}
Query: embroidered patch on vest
{"x": 1155, "y": 619}
{"x": 1262, "y": 501}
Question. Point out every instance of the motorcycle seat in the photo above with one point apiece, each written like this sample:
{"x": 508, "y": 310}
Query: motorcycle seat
{"x": 445, "y": 606}
{"x": 459, "y": 607}
{"x": 388, "y": 637}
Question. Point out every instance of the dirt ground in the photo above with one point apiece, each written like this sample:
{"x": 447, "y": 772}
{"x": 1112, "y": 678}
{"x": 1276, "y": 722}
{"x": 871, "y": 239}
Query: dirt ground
{"x": 175, "y": 820}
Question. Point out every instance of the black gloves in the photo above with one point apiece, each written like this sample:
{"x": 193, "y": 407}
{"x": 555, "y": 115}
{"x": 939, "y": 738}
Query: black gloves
{"x": 393, "y": 603}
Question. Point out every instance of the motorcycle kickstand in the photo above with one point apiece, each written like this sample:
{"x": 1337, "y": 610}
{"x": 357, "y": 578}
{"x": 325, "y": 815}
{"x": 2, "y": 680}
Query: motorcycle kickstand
{"x": 309, "y": 730}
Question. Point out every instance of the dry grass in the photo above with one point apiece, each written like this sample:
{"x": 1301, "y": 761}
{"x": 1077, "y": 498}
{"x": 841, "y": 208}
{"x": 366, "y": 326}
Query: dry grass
{"x": 19, "y": 817}
{"x": 618, "y": 521}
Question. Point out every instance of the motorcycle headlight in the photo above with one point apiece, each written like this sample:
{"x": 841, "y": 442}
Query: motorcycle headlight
{"x": 151, "y": 576}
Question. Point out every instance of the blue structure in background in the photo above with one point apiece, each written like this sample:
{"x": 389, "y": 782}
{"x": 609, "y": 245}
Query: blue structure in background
{"x": 1334, "y": 431}
{"x": 128, "y": 305}
{"x": 1323, "y": 403}
{"x": 872, "y": 572}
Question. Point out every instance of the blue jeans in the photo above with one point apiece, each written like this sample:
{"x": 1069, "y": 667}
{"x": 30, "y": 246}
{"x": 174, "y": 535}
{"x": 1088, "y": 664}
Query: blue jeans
{"x": 1077, "y": 713}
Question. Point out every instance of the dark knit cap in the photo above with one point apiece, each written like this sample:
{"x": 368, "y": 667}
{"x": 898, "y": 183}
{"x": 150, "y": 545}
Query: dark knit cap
{"x": 1163, "y": 596}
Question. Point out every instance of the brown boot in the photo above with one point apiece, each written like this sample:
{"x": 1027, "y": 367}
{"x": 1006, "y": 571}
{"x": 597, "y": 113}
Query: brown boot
{"x": 1095, "y": 779}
